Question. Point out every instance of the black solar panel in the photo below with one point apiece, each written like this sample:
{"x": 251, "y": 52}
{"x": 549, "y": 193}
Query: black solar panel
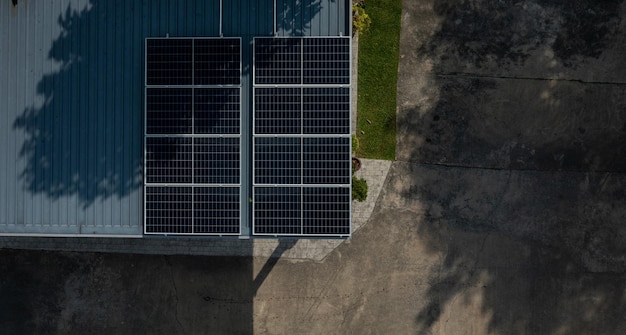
{"x": 168, "y": 160}
{"x": 169, "y": 61}
{"x": 216, "y": 210}
{"x": 326, "y": 160}
{"x": 326, "y": 110}
{"x": 192, "y": 210}
{"x": 216, "y": 160}
{"x": 168, "y": 110}
{"x": 217, "y": 61}
{"x": 277, "y": 160}
{"x": 277, "y": 60}
{"x": 192, "y": 143}
{"x": 326, "y": 61}
{"x": 216, "y": 111}
{"x": 168, "y": 210}
{"x": 277, "y": 210}
{"x": 302, "y": 151}
{"x": 326, "y": 210}
{"x": 302, "y": 211}
{"x": 278, "y": 110}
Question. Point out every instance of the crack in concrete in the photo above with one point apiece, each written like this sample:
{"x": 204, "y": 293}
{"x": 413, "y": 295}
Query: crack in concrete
{"x": 487, "y": 168}
{"x": 167, "y": 260}
{"x": 482, "y": 76}
{"x": 318, "y": 300}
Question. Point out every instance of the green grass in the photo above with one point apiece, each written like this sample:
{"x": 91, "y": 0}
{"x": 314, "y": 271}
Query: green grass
{"x": 378, "y": 76}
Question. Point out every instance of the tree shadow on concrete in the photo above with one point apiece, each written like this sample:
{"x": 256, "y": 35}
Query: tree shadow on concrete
{"x": 49, "y": 292}
{"x": 67, "y": 292}
{"x": 480, "y": 31}
{"x": 512, "y": 141}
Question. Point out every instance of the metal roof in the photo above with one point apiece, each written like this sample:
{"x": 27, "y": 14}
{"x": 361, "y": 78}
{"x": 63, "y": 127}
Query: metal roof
{"x": 72, "y": 83}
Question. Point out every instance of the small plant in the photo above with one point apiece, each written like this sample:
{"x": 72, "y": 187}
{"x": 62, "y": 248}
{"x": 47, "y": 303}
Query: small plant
{"x": 359, "y": 189}
{"x": 355, "y": 143}
{"x": 360, "y": 20}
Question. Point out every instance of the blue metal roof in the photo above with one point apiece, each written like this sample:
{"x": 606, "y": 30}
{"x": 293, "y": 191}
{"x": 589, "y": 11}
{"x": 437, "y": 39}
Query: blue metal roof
{"x": 72, "y": 83}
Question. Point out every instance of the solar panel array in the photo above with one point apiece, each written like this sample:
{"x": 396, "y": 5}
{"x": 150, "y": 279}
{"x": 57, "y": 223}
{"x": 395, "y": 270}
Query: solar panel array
{"x": 193, "y": 136}
{"x": 301, "y": 135}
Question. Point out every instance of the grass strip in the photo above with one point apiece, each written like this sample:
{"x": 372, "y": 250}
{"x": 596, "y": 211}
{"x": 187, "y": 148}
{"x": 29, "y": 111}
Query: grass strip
{"x": 378, "y": 76}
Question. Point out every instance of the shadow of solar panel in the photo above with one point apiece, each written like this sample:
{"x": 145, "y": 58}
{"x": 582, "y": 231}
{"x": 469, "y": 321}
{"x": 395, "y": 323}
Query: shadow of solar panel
{"x": 277, "y": 111}
{"x": 277, "y": 210}
{"x": 168, "y": 210}
{"x": 168, "y": 160}
{"x": 277, "y": 61}
{"x": 326, "y": 210}
{"x": 326, "y": 61}
{"x": 216, "y": 160}
{"x": 326, "y": 160}
{"x": 326, "y": 110}
{"x": 216, "y": 111}
{"x": 217, "y": 61}
{"x": 216, "y": 210}
{"x": 169, "y": 61}
{"x": 168, "y": 110}
{"x": 277, "y": 160}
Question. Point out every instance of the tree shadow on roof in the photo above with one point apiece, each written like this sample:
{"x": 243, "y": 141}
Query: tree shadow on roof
{"x": 308, "y": 18}
{"x": 83, "y": 140}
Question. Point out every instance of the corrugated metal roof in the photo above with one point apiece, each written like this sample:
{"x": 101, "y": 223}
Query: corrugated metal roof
{"x": 312, "y": 18}
{"x": 72, "y": 83}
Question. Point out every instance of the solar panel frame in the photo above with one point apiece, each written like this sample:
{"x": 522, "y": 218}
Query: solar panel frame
{"x": 230, "y": 124}
{"x": 326, "y": 110}
{"x": 162, "y": 116}
{"x": 326, "y": 210}
{"x": 213, "y": 148}
{"x": 161, "y": 216}
{"x": 277, "y": 210}
{"x": 176, "y": 53}
{"x": 319, "y": 168}
{"x": 217, "y": 210}
{"x": 267, "y": 57}
{"x": 225, "y": 69}
{"x": 346, "y": 63}
{"x": 333, "y": 62}
{"x": 269, "y": 109}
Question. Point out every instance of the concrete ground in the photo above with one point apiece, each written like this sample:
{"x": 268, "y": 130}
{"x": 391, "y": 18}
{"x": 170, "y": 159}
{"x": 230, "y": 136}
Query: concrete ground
{"x": 503, "y": 213}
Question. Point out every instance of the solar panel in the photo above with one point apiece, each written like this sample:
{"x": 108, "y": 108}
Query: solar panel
{"x": 217, "y": 61}
{"x": 326, "y": 210}
{"x": 216, "y": 160}
{"x": 193, "y": 136}
{"x": 216, "y": 210}
{"x": 277, "y": 160}
{"x": 169, "y": 61}
{"x": 277, "y": 210}
{"x": 302, "y": 148}
{"x": 168, "y": 210}
{"x": 216, "y": 111}
{"x": 278, "y": 110}
{"x": 326, "y": 61}
{"x": 326, "y": 160}
{"x": 192, "y": 210}
{"x": 326, "y": 110}
{"x": 168, "y": 160}
{"x": 278, "y": 60}
{"x": 168, "y": 110}
{"x": 292, "y": 210}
